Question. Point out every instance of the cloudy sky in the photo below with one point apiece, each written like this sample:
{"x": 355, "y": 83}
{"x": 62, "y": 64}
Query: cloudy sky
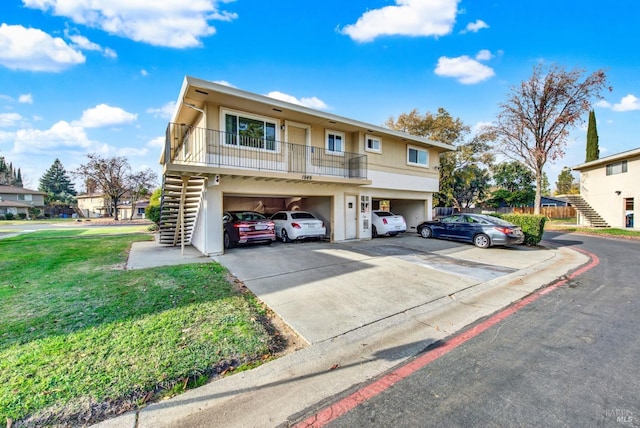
{"x": 102, "y": 76}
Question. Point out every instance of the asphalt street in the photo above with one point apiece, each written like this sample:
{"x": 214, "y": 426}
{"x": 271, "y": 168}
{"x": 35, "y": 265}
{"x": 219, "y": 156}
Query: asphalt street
{"x": 570, "y": 358}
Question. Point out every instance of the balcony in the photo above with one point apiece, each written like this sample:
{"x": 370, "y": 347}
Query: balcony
{"x": 188, "y": 146}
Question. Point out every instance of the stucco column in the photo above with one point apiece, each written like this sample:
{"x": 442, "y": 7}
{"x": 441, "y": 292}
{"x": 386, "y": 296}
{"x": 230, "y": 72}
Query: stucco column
{"x": 210, "y": 222}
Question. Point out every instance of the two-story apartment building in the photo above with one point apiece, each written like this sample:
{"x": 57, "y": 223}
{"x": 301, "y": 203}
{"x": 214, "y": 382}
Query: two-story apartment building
{"x": 18, "y": 200}
{"x": 609, "y": 186}
{"x": 228, "y": 149}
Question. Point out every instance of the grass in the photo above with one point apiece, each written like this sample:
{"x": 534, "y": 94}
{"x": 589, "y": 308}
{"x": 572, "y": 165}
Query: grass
{"x": 569, "y": 225}
{"x": 79, "y": 336}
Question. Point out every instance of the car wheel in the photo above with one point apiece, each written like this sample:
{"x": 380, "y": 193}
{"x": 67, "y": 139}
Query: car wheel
{"x": 227, "y": 240}
{"x": 374, "y": 232}
{"x": 481, "y": 241}
{"x": 284, "y": 235}
{"x": 425, "y": 232}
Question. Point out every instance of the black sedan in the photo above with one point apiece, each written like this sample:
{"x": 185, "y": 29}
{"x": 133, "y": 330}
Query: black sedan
{"x": 481, "y": 230}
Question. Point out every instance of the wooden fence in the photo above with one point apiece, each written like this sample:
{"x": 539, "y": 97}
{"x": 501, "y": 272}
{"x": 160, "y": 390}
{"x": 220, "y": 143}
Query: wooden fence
{"x": 551, "y": 212}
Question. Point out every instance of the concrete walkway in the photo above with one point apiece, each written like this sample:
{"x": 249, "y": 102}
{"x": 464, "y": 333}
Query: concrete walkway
{"x": 363, "y": 307}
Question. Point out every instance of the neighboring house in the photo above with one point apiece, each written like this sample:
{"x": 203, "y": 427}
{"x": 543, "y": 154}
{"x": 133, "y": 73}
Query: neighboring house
{"x": 609, "y": 186}
{"x": 18, "y": 200}
{"x": 549, "y": 201}
{"x": 227, "y": 149}
{"x": 93, "y": 205}
{"x": 124, "y": 210}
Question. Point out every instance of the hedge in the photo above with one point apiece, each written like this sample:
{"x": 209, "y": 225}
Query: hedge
{"x": 532, "y": 226}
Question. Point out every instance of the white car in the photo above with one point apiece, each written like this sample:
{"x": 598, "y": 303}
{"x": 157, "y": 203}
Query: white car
{"x": 387, "y": 223}
{"x": 295, "y": 225}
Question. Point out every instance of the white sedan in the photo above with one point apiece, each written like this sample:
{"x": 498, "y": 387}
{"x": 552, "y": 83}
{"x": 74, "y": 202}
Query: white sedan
{"x": 387, "y": 223}
{"x": 295, "y": 225}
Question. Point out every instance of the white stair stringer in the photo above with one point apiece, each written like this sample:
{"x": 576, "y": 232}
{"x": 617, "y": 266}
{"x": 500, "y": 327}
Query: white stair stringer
{"x": 181, "y": 202}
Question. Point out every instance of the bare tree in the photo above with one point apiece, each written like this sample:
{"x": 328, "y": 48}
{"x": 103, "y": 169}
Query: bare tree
{"x": 140, "y": 184}
{"x": 535, "y": 120}
{"x": 113, "y": 177}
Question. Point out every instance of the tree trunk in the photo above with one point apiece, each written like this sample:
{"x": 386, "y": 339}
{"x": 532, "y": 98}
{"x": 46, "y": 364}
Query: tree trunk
{"x": 115, "y": 209}
{"x": 538, "y": 201}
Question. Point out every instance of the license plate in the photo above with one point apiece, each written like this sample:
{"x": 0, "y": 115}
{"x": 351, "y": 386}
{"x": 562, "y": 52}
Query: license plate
{"x": 261, "y": 227}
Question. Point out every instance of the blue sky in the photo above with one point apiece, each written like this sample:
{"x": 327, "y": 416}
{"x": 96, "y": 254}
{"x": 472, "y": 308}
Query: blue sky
{"x": 102, "y": 76}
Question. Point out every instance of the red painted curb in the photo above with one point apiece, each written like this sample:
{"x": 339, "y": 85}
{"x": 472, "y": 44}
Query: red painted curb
{"x": 367, "y": 392}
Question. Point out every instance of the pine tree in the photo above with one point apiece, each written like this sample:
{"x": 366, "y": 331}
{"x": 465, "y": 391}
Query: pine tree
{"x": 566, "y": 184}
{"x": 593, "y": 151}
{"x": 57, "y": 185}
{"x": 5, "y": 177}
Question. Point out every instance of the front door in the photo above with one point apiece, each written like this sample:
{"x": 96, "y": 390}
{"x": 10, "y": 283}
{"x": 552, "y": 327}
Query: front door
{"x": 351, "y": 217}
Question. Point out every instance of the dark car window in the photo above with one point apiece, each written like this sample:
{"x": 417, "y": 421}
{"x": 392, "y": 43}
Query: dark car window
{"x": 300, "y": 216}
{"x": 468, "y": 219}
{"x": 383, "y": 214}
{"x": 279, "y": 216}
{"x": 451, "y": 219}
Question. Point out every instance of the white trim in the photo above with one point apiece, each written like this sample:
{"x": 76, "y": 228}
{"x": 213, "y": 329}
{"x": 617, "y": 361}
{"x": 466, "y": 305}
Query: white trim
{"x": 223, "y": 127}
{"x": 368, "y": 137}
{"x": 419, "y": 149}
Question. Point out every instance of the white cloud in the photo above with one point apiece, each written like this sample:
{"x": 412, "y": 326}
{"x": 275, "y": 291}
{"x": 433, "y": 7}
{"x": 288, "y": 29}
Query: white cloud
{"x": 406, "y": 18}
{"x": 170, "y": 23}
{"x": 132, "y": 151}
{"x": 9, "y": 119}
{"x": 311, "y": 102}
{"x": 156, "y": 143}
{"x": 484, "y": 55}
{"x": 466, "y": 70}
{"x": 224, "y": 83}
{"x": 34, "y": 50}
{"x": 25, "y": 99}
{"x": 62, "y": 135}
{"x": 164, "y": 112}
{"x": 474, "y": 27}
{"x": 104, "y": 115}
{"x": 85, "y": 44}
{"x": 627, "y": 103}
{"x": 144, "y": 72}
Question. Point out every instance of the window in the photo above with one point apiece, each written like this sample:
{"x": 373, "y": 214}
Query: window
{"x": 250, "y": 131}
{"x": 334, "y": 142}
{"x": 24, "y": 197}
{"x": 372, "y": 143}
{"x": 617, "y": 168}
{"x": 417, "y": 157}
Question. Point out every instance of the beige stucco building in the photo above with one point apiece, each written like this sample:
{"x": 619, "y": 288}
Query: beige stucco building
{"x": 610, "y": 186}
{"x": 20, "y": 201}
{"x": 228, "y": 149}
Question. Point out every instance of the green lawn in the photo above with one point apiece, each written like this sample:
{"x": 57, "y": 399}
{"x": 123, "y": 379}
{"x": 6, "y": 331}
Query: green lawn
{"x": 79, "y": 335}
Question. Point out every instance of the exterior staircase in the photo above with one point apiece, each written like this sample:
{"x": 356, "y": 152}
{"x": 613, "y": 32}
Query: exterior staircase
{"x": 585, "y": 209}
{"x": 179, "y": 208}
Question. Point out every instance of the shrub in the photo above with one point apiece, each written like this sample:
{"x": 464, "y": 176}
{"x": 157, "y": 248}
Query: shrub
{"x": 152, "y": 212}
{"x": 22, "y": 216}
{"x": 532, "y": 226}
{"x": 9, "y": 216}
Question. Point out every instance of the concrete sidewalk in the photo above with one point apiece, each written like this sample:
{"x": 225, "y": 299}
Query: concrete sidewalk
{"x": 364, "y": 307}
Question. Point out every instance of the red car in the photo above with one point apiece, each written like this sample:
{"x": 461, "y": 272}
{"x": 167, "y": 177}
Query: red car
{"x": 244, "y": 227}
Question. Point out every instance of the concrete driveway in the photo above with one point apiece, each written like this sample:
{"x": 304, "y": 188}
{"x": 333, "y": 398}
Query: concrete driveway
{"x": 323, "y": 290}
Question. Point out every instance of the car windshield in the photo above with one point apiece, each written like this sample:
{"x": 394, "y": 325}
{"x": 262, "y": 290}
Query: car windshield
{"x": 384, "y": 214}
{"x": 300, "y": 216}
{"x": 498, "y": 221}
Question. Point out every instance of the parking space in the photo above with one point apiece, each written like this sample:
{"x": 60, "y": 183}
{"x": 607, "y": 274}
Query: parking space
{"x": 325, "y": 289}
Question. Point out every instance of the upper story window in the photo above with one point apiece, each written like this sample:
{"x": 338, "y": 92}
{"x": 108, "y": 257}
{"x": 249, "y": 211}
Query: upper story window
{"x": 417, "y": 156}
{"x": 250, "y": 131}
{"x": 617, "y": 168}
{"x": 24, "y": 197}
{"x": 372, "y": 143}
{"x": 334, "y": 142}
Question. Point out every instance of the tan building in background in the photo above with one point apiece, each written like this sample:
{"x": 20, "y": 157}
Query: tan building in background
{"x": 611, "y": 186}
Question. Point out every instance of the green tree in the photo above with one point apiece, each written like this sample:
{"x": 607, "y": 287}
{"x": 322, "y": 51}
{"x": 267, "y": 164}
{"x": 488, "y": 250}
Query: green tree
{"x": 514, "y": 184}
{"x": 152, "y": 212}
{"x": 8, "y": 175}
{"x": 534, "y": 122}
{"x": 140, "y": 184}
{"x": 566, "y": 184}
{"x": 55, "y": 182}
{"x": 444, "y": 128}
{"x": 593, "y": 151}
